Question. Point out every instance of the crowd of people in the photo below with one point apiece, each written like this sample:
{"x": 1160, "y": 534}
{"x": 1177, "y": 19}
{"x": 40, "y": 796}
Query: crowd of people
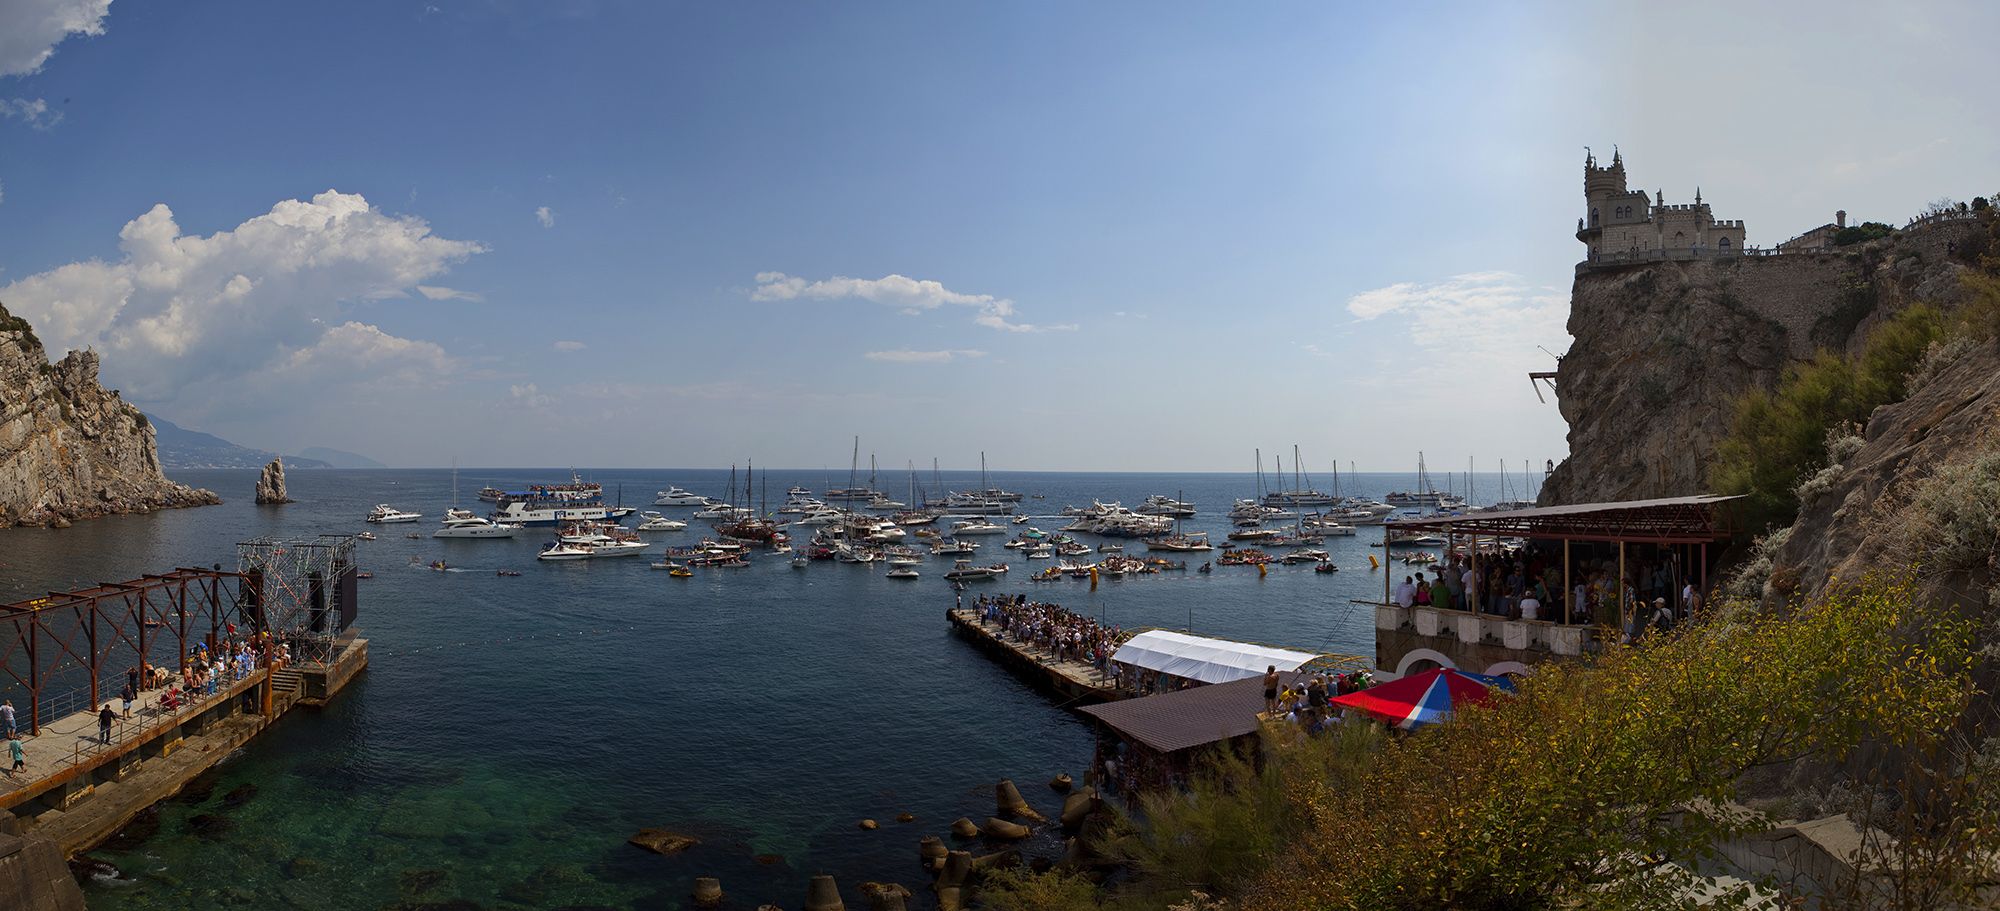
{"x": 205, "y": 673}
{"x": 1527, "y": 583}
{"x": 1307, "y": 701}
{"x": 1064, "y": 634}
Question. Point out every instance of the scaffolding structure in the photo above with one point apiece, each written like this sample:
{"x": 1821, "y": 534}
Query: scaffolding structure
{"x": 302, "y": 591}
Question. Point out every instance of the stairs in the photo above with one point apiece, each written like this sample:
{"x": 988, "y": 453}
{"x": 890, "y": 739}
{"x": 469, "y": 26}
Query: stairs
{"x": 287, "y": 682}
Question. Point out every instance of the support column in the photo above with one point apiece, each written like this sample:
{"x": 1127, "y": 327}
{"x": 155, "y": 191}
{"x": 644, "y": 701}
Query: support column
{"x": 1622, "y": 621}
{"x": 35, "y": 673}
{"x": 1386, "y": 572}
{"x": 1569, "y": 588}
{"x": 91, "y": 632}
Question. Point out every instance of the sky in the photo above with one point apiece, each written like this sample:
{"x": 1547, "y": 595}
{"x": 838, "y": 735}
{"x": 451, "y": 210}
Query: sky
{"x": 1116, "y": 236}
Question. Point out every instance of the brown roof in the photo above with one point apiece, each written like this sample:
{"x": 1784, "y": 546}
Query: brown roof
{"x": 1174, "y": 721}
{"x": 1668, "y": 520}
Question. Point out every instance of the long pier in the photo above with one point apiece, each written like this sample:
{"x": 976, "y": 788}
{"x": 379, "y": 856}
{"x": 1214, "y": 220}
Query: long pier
{"x": 1073, "y": 681}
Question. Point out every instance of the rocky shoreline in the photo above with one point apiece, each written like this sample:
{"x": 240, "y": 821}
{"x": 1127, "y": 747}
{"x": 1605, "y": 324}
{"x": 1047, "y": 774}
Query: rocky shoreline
{"x": 69, "y": 448}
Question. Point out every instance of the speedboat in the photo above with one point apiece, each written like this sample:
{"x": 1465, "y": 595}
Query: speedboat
{"x": 1180, "y": 543}
{"x": 977, "y": 527}
{"x": 461, "y": 523}
{"x": 964, "y": 570}
{"x": 1040, "y": 552}
{"x": 656, "y": 522}
{"x": 953, "y": 548}
{"x": 385, "y": 514}
{"x": 720, "y": 510}
{"x": 365, "y": 536}
{"x": 902, "y": 572}
{"x": 674, "y": 496}
{"x": 1305, "y": 555}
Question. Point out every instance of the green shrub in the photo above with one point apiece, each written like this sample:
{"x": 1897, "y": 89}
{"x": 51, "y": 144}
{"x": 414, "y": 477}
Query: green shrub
{"x": 1777, "y": 438}
{"x": 1953, "y": 519}
{"x": 1861, "y": 233}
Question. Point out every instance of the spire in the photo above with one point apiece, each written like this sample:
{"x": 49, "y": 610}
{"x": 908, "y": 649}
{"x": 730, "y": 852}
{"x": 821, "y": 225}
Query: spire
{"x": 1659, "y": 198}
{"x": 1616, "y": 158}
{"x": 1697, "y": 196}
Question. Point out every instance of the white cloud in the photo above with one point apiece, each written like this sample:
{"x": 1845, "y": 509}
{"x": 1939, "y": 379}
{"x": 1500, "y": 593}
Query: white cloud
{"x": 440, "y": 293}
{"x": 546, "y": 216}
{"x": 567, "y": 345}
{"x": 1484, "y": 315}
{"x": 34, "y": 112}
{"x": 31, "y": 29}
{"x": 907, "y": 356}
{"x": 265, "y": 297}
{"x": 909, "y": 296}
{"x": 529, "y": 396}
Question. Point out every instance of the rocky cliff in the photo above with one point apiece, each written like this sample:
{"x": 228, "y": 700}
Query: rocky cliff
{"x": 69, "y": 449}
{"x": 1662, "y": 349}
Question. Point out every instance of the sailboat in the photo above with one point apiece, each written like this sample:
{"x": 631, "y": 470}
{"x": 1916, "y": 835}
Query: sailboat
{"x": 751, "y": 528}
{"x": 1302, "y": 493}
{"x": 1179, "y": 542}
{"x": 853, "y": 491}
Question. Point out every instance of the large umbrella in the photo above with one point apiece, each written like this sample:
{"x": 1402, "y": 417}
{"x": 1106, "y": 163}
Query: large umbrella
{"x": 1426, "y": 698}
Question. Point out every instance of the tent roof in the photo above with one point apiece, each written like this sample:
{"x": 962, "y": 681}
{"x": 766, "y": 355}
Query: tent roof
{"x": 1204, "y": 659}
{"x": 1169, "y": 722}
{"x": 1671, "y": 520}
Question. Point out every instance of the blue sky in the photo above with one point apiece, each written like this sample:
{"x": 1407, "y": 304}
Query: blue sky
{"x": 1075, "y": 236}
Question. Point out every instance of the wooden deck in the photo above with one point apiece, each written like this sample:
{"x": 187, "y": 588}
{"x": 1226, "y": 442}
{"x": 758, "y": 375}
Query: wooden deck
{"x": 1073, "y": 680}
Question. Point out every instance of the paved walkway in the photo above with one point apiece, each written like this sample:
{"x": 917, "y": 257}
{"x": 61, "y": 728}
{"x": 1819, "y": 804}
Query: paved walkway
{"x": 1077, "y": 672}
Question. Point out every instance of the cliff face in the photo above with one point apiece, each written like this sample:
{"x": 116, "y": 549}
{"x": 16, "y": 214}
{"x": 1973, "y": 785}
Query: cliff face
{"x": 69, "y": 449}
{"x": 1663, "y": 349}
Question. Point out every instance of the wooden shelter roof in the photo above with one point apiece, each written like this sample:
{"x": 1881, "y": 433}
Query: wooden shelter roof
{"x": 1672, "y": 520}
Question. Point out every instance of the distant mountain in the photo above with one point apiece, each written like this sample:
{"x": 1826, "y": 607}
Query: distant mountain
{"x": 338, "y": 458}
{"x": 180, "y": 447}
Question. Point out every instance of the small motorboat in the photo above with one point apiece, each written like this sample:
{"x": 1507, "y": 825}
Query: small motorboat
{"x": 902, "y": 572}
{"x": 680, "y": 573}
{"x": 799, "y": 561}
{"x": 1020, "y": 520}
{"x": 508, "y": 572}
{"x": 1326, "y": 566}
{"x": 364, "y": 575}
{"x": 384, "y": 514}
{"x": 365, "y": 536}
{"x": 413, "y": 536}
{"x": 1205, "y": 567}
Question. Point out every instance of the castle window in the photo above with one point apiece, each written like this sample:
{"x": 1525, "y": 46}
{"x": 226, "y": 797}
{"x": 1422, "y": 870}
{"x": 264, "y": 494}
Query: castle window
{"x": 1723, "y": 243}
{"x": 1593, "y": 218}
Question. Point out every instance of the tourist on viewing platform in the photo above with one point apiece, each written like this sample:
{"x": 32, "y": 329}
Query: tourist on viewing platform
{"x": 1406, "y": 593}
{"x": 1271, "y": 689}
{"x": 104, "y": 720}
{"x": 15, "y": 753}
{"x": 126, "y": 694}
{"x": 1423, "y": 593}
{"x": 7, "y": 716}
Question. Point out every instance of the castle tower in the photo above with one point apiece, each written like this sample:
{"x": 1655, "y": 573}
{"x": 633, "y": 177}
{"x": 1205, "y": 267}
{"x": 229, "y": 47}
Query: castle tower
{"x": 1620, "y": 224}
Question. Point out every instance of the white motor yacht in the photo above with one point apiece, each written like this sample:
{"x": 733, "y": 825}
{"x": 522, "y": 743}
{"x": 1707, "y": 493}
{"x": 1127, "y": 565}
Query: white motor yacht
{"x": 675, "y": 496}
{"x": 656, "y": 522}
{"x": 977, "y": 527}
{"x": 902, "y": 572}
{"x": 716, "y": 510}
{"x": 385, "y": 514}
{"x": 461, "y": 523}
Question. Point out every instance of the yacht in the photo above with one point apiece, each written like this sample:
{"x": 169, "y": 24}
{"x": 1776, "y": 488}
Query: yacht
{"x": 963, "y": 569}
{"x": 530, "y": 509}
{"x": 461, "y": 523}
{"x": 1163, "y": 505}
{"x": 1305, "y": 555}
{"x": 902, "y": 572}
{"x": 972, "y": 504}
{"x": 1180, "y": 543}
{"x": 880, "y": 503}
{"x": 385, "y": 514}
{"x": 590, "y": 550}
{"x": 491, "y": 494}
{"x": 977, "y": 527}
{"x": 674, "y": 496}
{"x": 953, "y": 548}
{"x": 656, "y": 522}
{"x": 719, "y": 510}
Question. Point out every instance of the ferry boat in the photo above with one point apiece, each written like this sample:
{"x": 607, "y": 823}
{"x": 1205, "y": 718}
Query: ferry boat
{"x": 532, "y": 510}
{"x": 461, "y": 523}
{"x": 384, "y": 514}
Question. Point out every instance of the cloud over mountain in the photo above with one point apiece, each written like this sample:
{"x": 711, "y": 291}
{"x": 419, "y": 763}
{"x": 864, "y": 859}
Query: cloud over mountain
{"x": 262, "y": 303}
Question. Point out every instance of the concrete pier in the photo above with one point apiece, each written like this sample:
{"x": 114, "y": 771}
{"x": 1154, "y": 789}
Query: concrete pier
{"x": 77, "y": 791}
{"x": 1075, "y": 681}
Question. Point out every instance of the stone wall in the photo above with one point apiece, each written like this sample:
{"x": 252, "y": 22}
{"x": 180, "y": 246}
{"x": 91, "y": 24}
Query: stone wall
{"x": 33, "y": 875}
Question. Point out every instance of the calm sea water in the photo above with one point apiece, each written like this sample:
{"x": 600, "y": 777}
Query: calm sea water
{"x": 511, "y": 732}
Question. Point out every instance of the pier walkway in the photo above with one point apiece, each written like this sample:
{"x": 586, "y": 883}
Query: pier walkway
{"x": 1072, "y": 680}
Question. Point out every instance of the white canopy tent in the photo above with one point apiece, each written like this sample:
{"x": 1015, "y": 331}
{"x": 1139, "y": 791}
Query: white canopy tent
{"x": 1204, "y": 659}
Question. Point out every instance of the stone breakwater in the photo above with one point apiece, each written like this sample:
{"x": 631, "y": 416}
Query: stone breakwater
{"x": 69, "y": 448}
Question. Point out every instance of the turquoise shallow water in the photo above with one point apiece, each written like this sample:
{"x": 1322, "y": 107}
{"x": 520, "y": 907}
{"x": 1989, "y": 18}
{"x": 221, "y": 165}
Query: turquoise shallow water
{"x": 510, "y": 733}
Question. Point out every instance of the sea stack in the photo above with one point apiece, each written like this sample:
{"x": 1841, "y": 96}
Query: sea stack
{"x": 271, "y": 484}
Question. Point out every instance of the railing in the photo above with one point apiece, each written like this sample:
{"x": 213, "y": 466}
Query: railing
{"x": 1475, "y": 628}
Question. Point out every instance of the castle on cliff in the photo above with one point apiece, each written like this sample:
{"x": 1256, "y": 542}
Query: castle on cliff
{"x": 1622, "y": 225}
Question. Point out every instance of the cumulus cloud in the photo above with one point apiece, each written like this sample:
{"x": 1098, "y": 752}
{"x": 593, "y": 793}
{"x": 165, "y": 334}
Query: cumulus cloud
{"x": 528, "y": 395}
{"x": 567, "y": 345}
{"x": 546, "y": 216}
{"x": 1489, "y": 315}
{"x": 907, "y": 356}
{"x": 265, "y": 297}
{"x": 35, "y": 112}
{"x": 31, "y": 29}
{"x": 440, "y": 293}
{"x": 908, "y": 295}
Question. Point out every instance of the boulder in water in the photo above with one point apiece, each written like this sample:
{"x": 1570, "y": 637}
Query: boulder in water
{"x": 1008, "y": 801}
{"x": 957, "y": 866}
{"x": 1062, "y": 783}
{"x": 906, "y": 816}
{"x": 931, "y": 851}
{"x": 870, "y": 825}
{"x": 964, "y": 828}
{"x": 1007, "y": 858}
{"x": 86, "y": 868}
{"x": 1002, "y": 829}
{"x": 271, "y": 484}
{"x": 208, "y": 826}
{"x": 662, "y": 841}
{"x": 885, "y": 896}
{"x": 707, "y": 891}
{"x": 239, "y": 796}
{"x": 1077, "y": 807}
{"x": 823, "y": 894}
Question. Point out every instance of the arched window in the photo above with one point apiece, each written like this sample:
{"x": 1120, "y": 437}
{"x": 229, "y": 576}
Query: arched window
{"x": 1593, "y": 218}
{"x": 1722, "y": 244}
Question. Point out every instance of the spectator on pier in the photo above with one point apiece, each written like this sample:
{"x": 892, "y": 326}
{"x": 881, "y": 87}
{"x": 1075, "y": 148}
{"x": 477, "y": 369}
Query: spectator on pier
{"x": 127, "y": 695}
{"x": 7, "y": 716}
{"x": 104, "y": 719}
{"x": 1406, "y": 593}
{"x": 132, "y": 681}
{"x": 1423, "y": 593}
{"x": 16, "y": 754}
{"x": 1531, "y": 607}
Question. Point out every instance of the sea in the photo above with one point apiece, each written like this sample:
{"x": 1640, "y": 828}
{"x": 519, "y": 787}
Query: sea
{"x": 510, "y": 733}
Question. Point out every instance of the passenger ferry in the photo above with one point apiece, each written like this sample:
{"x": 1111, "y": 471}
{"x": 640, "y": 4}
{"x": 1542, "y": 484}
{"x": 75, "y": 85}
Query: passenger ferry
{"x": 529, "y": 509}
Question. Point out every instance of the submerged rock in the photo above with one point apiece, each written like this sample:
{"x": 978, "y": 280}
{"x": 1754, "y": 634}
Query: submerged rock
{"x": 239, "y": 796}
{"x": 1062, "y": 783}
{"x": 906, "y": 817}
{"x": 209, "y": 826}
{"x": 418, "y": 882}
{"x": 662, "y": 841}
{"x": 86, "y": 868}
{"x": 823, "y": 894}
{"x": 707, "y": 890}
{"x": 301, "y": 868}
{"x": 142, "y": 827}
{"x": 870, "y": 825}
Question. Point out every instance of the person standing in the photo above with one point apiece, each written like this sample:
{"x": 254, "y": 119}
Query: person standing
{"x": 104, "y": 720}
{"x": 1271, "y": 690}
{"x": 15, "y": 753}
{"x": 7, "y": 717}
{"x": 127, "y": 695}
{"x": 1406, "y": 593}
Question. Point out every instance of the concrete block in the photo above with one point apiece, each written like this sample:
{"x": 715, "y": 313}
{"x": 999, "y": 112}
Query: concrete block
{"x": 1426, "y": 619}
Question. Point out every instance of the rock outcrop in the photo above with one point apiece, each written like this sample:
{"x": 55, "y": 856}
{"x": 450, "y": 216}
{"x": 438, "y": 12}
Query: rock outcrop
{"x": 1663, "y": 349}
{"x": 271, "y": 484}
{"x": 70, "y": 449}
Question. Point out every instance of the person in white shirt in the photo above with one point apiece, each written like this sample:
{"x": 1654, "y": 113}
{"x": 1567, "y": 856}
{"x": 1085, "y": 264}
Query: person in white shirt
{"x": 1406, "y": 593}
{"x": 1531, "y": 609}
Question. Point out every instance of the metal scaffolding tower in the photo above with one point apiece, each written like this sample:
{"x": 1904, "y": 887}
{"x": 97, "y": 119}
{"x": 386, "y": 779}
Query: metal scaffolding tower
{"x": 302, "y": 590}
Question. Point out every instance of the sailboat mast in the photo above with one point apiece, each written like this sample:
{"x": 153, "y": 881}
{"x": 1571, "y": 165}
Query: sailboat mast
{"x": 854, "y": 463}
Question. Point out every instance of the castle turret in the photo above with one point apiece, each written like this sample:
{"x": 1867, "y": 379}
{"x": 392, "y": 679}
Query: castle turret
{"x": 1625, "y": 225}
